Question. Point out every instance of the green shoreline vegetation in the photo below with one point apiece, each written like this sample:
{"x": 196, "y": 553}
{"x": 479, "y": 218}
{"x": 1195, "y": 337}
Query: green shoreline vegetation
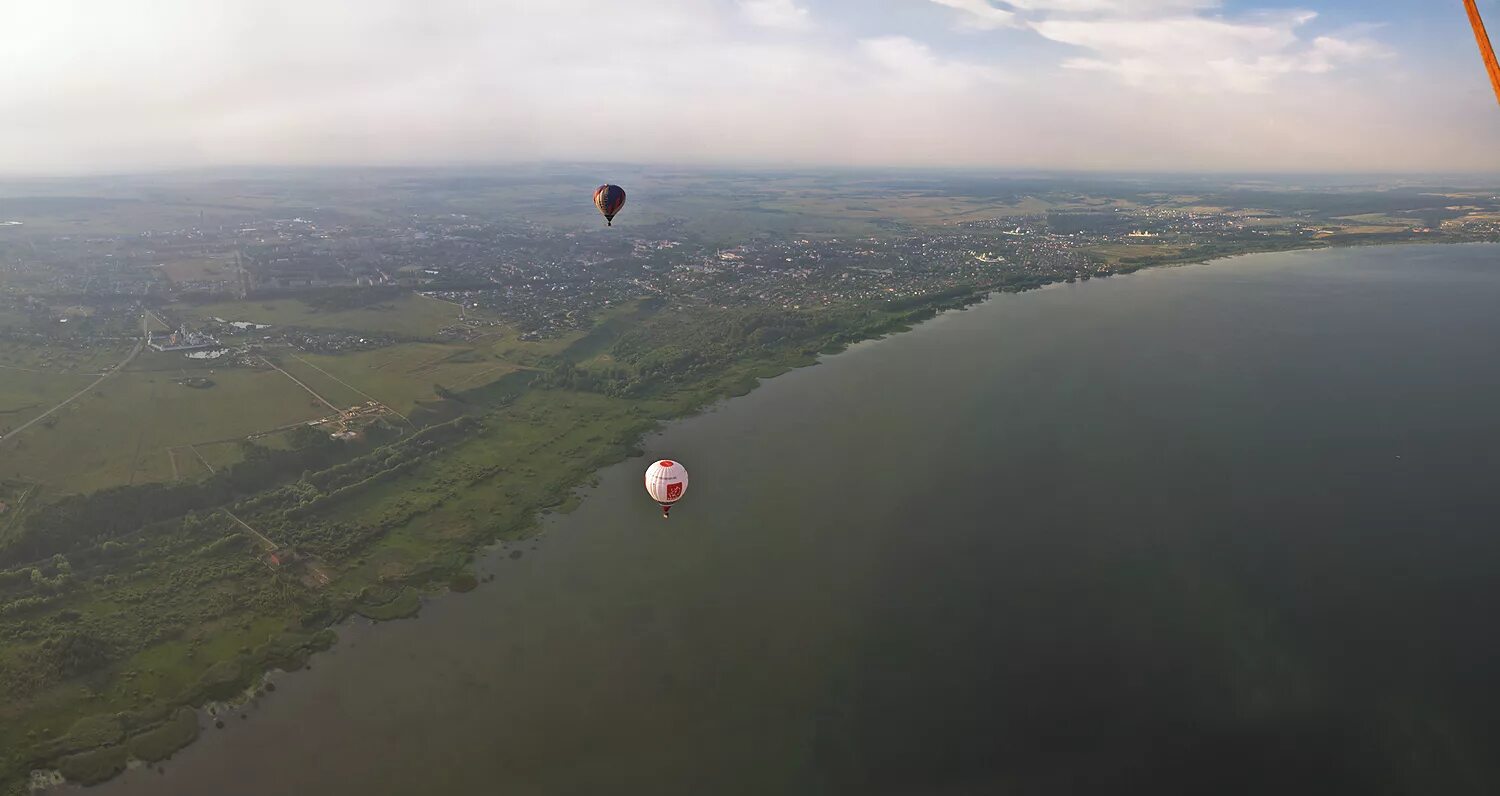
{"x": 124, "y": 609}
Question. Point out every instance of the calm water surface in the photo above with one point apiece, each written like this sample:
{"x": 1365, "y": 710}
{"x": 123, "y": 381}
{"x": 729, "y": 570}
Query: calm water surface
{"x": 1218, "y": 529}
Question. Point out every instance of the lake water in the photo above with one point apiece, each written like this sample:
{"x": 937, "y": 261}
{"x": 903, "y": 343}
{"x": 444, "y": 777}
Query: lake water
{"x": 1218, "y": 529}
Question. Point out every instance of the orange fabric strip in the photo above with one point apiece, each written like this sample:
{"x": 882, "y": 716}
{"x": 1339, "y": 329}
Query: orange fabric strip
{"x": 1486, "y": 49}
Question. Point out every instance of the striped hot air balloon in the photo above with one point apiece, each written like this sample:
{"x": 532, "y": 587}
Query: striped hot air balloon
{"x": 609, "y": 199}
{"x": 666, "y": 483}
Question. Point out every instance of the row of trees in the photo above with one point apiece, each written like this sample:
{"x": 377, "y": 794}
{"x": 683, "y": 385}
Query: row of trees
{"x": 340, "y": 481}
{"x": 688, "y": 344}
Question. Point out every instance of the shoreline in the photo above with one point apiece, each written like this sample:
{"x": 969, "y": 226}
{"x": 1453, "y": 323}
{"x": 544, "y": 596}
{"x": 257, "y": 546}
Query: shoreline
{"x": 708, "y": 395}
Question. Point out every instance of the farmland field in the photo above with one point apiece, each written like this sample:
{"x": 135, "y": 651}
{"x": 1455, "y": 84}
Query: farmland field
{"x": 402, "y": 375}
{"x": 407, "y": 315}
{"x": 1116, "y": 252}
{"x": 24, "y": 395}
{"x": 198, "y": 270}
{"x": 146, "y": 424}
{"x": 59, "y": 360}
{"x": 120, "y": 433}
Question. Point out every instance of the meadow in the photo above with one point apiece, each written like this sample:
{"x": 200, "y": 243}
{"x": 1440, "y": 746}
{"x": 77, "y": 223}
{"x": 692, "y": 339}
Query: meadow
{"x": 123, "y": 431}
{"x": 200, "y": 269}
{"x": 400, "y": 376}
{"x": 408, "y": 315}
{"x": 25, "y": 395}
{"x": 60, "y": 359}
{"x": 149, "y": 423}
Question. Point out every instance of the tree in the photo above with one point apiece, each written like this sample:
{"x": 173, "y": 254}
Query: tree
{"x": 75, "y": 651}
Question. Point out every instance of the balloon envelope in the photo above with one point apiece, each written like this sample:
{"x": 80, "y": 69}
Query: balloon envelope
{"x": 666, "y": 481}
{"x": 609, "y": 199}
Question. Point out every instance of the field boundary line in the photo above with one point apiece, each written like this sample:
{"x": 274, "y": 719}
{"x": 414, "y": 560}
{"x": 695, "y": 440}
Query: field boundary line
{"x": 383, "y": 404}
{"x": 299, "y": 383}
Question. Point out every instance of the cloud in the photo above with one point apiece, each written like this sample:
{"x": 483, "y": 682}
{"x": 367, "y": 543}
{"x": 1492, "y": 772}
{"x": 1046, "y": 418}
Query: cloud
{"x": 783, "y": 14}
{"x": 1119, "y": 8}
{"x": 102, "y": 86}
{"x": 911, "y": 64}
{"x": 1202, "y": 54}
{"x": 1175, "y": 45}
{"x": 980, "y": 15}
{"x": 986, "y": 15}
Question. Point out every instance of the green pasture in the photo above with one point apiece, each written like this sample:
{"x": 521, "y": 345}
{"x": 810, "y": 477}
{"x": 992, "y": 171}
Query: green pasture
{"x": 120, "y": 432}
{"x": 400, "y": 376}
{"x": 24, "y": 396}
{"x": 408, "y": 315}
{"x": 59, "y": 359}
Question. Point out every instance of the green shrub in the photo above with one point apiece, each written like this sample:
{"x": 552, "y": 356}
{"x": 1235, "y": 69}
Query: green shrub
{"x": 161, "y": 743}
{"x": 92, "y": 768}
{"x": 222, "y": 681}
{"x": 405, "y": 604}
{"x": 90, "y": 732}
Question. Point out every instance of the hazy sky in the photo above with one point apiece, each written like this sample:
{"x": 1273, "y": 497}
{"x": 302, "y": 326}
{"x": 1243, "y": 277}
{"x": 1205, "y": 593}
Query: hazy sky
{"x": 1325, "y": 85}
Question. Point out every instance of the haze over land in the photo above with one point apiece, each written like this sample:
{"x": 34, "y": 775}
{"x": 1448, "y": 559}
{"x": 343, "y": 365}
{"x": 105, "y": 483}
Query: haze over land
{"x": 1330, "y": 85}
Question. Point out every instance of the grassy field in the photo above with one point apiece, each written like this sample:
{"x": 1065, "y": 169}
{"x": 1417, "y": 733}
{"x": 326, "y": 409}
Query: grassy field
{"x": 1367, "y": 229}
{"x": 199, "y": 270}
{"x": 1113, "y": 253}
{"x": 408, "y": 316}
{"x": 529, "y": 455}
{"x": 57, "y": 359}
{"x": 402, "y": 375}
{"x": 25, "y": 395}
{"x": 144, "y": 425}
{"x": 876, "y": 210}
{"x": 1378, "y": 220}
{"x": 121, "y": 432}
{"x": 155, "y": 324}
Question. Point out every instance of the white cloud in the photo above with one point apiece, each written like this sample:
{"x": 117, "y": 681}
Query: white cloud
{"x": 1119, "y": 8}
{"x": 783, "y": 14}
{"x": 95, "y": 85}
{"x": 913, "y": 64}
{"x": 980, "y": 15}
{"x": 1202, "y": 54}
{"x": 1175, "y": 45}
{"x": 987, "y": 15}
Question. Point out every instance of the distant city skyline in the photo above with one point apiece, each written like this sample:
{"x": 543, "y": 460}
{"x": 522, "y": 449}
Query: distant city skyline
{"x": 1119, "y": 85}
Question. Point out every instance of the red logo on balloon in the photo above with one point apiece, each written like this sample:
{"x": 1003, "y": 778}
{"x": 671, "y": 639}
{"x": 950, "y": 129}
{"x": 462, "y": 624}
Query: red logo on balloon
{"x": 666, "y": 464}
{"x": 674, "y": 491}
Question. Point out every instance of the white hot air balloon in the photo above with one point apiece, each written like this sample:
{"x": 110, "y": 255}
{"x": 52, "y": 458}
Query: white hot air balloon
{"x": 666, "y": 483}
